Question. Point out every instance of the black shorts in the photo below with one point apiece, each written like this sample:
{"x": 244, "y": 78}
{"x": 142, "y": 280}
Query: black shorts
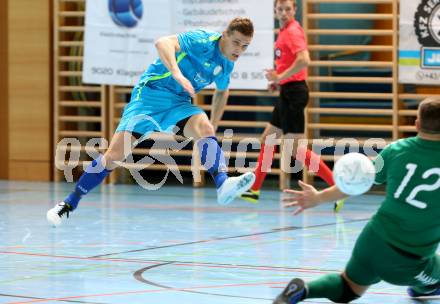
{"x": 288, "y": 114}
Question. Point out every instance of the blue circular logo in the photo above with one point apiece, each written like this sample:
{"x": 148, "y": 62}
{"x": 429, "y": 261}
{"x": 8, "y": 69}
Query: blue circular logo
{"x": 125, "y": 13}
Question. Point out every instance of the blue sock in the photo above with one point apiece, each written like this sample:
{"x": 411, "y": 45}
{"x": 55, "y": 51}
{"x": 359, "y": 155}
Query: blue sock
{"x": 92, "y": 177}
{"x": 213, "y": 159}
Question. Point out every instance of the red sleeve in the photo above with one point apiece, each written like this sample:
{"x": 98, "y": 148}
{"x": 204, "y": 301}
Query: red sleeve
{"x": 297, "y": 41}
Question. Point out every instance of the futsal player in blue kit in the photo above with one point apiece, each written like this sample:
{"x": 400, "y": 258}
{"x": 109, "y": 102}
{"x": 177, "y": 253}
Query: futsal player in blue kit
{"x": 188, "y": 62}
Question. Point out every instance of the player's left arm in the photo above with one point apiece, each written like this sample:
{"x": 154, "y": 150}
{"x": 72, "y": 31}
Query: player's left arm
{"x": 219, "y": 100}
{"x": 309, "y": 197}
{"x": 301, "y": 62}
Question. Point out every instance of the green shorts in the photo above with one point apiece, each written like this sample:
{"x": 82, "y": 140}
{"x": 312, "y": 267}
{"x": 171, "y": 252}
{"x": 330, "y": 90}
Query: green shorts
{"x": 373, "y": 260}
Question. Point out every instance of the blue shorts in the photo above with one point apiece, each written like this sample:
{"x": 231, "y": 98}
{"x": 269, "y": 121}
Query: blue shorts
{"x": 152, "y": 110}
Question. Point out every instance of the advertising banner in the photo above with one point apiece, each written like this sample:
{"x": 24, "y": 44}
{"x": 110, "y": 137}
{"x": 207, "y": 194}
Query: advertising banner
{"x": 119, "y": 39}
{"x": 120, "y": 34}
{"x": 419, "y": 49}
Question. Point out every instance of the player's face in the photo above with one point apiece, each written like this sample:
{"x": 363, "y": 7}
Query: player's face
{"x": 234, "y": 44}
{"x": 285, "y": 11}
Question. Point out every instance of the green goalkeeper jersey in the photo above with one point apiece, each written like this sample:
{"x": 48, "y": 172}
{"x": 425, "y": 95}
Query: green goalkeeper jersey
{"x": 409, "y": 218}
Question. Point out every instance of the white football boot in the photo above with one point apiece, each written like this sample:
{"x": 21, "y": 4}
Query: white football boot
{"x": 233, "y": 187}
{"x": 55, "y": 214}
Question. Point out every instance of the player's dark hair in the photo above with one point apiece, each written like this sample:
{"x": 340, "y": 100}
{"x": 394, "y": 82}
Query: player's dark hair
{"x": 276, "y": 2}
{"x": 429, "y": 115}
{"x": 241, "y": 25}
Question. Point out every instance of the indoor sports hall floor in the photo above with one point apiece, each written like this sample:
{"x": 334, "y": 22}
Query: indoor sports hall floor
{"x": 175, "y": 245}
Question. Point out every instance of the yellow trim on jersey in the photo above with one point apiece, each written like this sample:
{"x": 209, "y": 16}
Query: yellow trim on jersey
{"x": 164, "y": 75}
{"x": 214, "y": 38}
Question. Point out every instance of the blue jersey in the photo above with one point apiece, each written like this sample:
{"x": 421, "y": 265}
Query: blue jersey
{"x": 200, "y": 61}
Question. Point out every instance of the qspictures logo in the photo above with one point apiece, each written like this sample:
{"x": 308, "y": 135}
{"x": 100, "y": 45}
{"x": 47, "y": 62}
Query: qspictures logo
{"x": 126, "y": 13}
{"x": 427, "y": 27}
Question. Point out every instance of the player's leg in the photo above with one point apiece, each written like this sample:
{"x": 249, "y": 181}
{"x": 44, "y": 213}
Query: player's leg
{"x": 296, "y": 96}
{"x": 93, "y": 175}
{"x": 201, "y": 130}
{"x": 288, "y": 149}
{"x": 315, "y": 164}
{"x": 274, "y": 130}
{"x": 427, "y": 280}
{"x": 341, "y": 288}
{"x": 309, "y": 159}
{"x": 395, "y": 265}
{"x": 138, "y": 117}
{"x": 337, "y": 288}
{"x": 264, "y": 162}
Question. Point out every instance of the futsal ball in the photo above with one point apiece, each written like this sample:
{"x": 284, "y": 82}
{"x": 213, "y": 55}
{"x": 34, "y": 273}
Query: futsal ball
{"x": 354, "y": 173}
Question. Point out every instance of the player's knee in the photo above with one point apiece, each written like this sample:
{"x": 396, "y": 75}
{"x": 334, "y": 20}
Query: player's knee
{"x": 113, "y": 155}
{"x": 206, "y": 129}
{"x": 270, "y": 139}
{"x": 348, "y": 294}
{"x": 263, "y": 139}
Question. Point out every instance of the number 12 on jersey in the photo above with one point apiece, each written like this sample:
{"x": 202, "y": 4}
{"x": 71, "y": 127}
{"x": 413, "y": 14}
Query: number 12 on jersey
{"x": 410, "y": 199}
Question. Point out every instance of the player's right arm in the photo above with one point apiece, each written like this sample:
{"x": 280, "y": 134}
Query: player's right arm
{"x": 309, "y": 197}
{"x": 301, "y": 62}
{"x": 167, "y": 47}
